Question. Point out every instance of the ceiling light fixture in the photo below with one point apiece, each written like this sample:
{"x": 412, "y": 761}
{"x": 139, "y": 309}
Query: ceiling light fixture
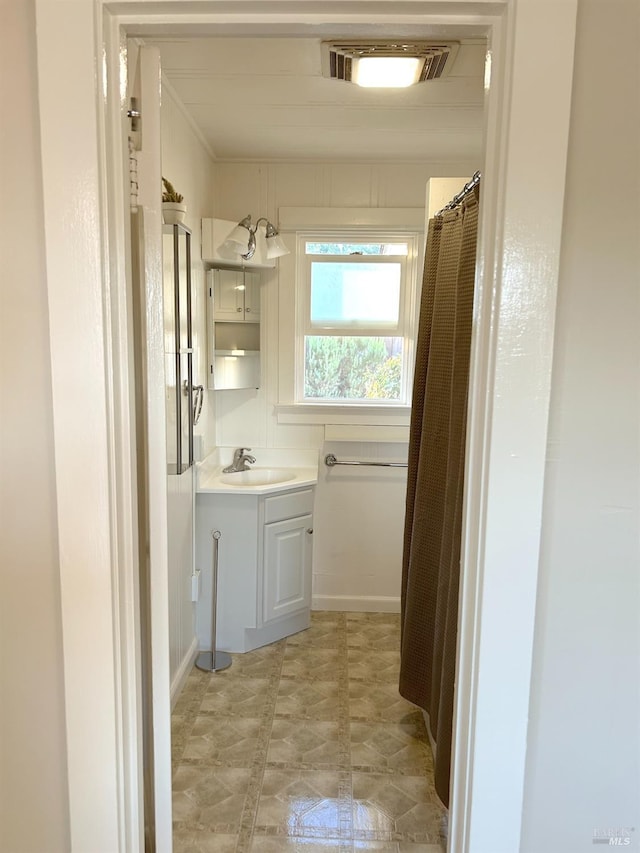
{"x": 387, "y": 64}
{"x": 242, "y": 240}
{"x": 386, "y": 72}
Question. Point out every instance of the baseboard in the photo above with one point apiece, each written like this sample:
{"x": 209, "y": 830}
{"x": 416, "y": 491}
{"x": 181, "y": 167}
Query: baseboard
{"x": 357, "y": 603}
{"x": 183, "y": 671}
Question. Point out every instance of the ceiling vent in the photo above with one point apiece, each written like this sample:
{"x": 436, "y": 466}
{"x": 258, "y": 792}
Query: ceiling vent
{"x": 339, "y": 58}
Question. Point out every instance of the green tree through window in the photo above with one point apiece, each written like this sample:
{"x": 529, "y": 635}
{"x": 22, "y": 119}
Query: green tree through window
{"x": 352, "y": 368}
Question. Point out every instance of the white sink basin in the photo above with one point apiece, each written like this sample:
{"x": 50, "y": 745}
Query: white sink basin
{"x": 258, "y": 477}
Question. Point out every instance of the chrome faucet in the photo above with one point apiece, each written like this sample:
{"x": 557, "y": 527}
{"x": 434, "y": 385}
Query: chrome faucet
{"x": 240, "y": 460}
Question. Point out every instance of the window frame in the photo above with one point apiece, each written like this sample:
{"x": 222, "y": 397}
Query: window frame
{"x": 406, "y": 327}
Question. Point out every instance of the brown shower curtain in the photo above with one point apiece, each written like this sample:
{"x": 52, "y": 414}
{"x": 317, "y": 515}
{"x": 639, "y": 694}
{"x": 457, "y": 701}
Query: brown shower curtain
{"x": 433, "y": 522}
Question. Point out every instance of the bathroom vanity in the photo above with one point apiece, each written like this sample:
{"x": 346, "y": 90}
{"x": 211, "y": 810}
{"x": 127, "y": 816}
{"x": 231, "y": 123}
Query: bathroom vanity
{"x": 264, "y": 557}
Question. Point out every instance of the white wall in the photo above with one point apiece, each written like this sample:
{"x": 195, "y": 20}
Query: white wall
{"x": 188, "y": 164}
{"x": 584, "y": 713}
{"x": 583, "y": 769}
{"x": 359, "y": 515}
{"x": 248, "y": 417}
{"x": 34, "y": 807}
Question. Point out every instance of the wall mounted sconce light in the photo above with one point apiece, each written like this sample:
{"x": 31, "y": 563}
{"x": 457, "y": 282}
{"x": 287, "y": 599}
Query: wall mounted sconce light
{"x": 242, "y": 240}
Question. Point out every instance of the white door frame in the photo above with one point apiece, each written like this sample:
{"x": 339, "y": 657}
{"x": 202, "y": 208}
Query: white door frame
{"x": 84, "y": 217}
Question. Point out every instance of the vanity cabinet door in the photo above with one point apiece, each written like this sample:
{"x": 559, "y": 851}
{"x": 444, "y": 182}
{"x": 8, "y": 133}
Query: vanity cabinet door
{"x": 287, "y": 567}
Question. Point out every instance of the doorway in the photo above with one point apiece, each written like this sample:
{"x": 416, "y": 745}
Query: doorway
{"x": 251, "y": 101}
{"x": 514, "y": 114}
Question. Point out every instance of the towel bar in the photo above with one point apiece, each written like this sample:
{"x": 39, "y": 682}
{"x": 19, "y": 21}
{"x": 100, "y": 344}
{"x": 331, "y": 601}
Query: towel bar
{"x": 330, "y": 460}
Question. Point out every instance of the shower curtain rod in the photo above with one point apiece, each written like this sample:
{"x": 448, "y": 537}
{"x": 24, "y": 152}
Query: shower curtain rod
{"x": 466, "y": 189}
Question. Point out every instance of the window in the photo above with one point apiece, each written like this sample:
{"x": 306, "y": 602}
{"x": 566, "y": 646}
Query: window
{"x": 355, "y": 319}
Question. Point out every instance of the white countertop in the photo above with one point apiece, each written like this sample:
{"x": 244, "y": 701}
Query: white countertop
{"x": 302, "y": 465}
{"x": 209, "y": 481}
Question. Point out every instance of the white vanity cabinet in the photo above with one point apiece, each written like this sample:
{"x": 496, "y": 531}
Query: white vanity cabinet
{"x": 264, "y": 566}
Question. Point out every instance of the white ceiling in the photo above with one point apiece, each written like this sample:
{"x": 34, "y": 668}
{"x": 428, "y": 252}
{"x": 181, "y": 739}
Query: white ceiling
{"x": 266, "y": 99}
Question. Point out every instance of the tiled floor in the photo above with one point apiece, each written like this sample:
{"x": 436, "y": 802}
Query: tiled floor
{"x": 305, "y": 746}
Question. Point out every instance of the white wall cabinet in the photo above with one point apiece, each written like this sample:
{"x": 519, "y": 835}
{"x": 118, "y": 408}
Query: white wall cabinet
{"x": 236, "y": 297}
{"x": 233, "y": 329}
{"x": 264, "y": 566}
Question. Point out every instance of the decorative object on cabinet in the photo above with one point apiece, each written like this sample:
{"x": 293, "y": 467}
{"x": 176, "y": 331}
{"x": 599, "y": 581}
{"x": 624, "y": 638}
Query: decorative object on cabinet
{"x": 217, "y": 250}
{"x": 174, "y": 209}
{"x": 233, "y": 329}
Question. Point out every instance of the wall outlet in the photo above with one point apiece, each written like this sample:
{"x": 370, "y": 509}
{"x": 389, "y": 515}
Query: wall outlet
{"x": 195, "y": 585}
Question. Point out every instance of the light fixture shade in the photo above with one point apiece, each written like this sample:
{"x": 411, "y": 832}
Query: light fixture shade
{"x": 237, "y": 240}
{"x": 276, "y": 246}
{"x": 239, "y": 235}
{"x": 387, "y": 72}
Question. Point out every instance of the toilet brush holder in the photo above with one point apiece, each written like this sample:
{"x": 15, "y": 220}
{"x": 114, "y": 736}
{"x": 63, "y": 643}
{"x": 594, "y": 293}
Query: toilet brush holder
{"x": 214, "y": 661}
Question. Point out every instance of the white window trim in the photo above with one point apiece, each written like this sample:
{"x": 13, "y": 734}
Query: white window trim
{"x": 405, "y": 327}
{"x": 401, "y": 224}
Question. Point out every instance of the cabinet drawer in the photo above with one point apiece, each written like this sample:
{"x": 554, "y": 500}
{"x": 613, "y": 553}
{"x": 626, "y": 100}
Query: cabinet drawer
{"x": 288, "y": 505}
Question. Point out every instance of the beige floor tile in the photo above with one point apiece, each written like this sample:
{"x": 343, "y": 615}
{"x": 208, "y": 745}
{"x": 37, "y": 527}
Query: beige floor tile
{"x": 187, "y": 704}
{"x": 308, "y": 745}
{"x": 373, "y": 667}
{"x": 221, "y": 740}
{"x": 394, "y": 847}
{"x": 382, "y": 636}
{"x": 308, "y": 664}
{"x": 390, "y": 747}
{"x": 302, "y": 803}
{"x": 320, "y": 635}
{"x": 209, "y": 798}
{"x": 180, "y": 728}
{"x": 190, "y": 841}
{"x": 308, "y": 700}
{"x": 373, "y": 618}
{"x": 398, "y": 805}
{"x": 270, "y": 844}
{"x": 240, "y": 697}
{"x": 260, "y": 663}
{"x": 271, "y": 757}
{"x": 328, "y": 616}
{"x": 380, "y": 702}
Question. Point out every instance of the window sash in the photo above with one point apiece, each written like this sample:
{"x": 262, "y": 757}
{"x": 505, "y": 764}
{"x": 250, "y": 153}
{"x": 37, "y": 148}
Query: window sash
{"x": 360, "y": 378}
{"x": 357, "y": 327}
{"x": 407, "y": 314}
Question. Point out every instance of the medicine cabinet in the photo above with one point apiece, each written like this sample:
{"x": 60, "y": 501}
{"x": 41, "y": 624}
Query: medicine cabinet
{"x": 233, "y": 328}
